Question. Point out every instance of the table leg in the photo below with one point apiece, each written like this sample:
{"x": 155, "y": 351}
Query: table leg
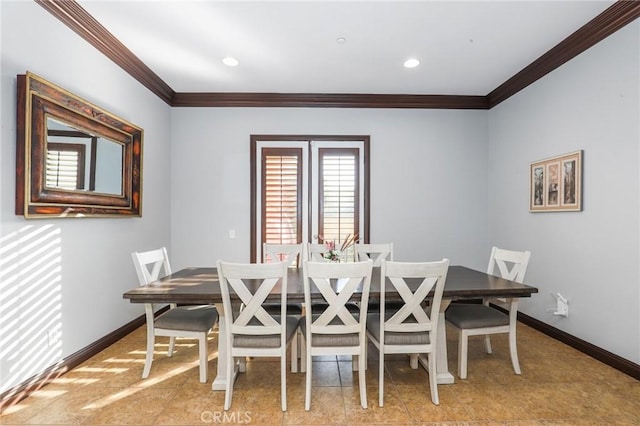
{"x": 442, "y": 368}
{"x": 444, "y": 376}
{"x": 220, "y": 382}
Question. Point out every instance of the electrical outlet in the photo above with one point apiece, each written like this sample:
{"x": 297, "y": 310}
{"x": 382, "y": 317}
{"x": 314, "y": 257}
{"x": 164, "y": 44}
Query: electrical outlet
{"x": 232, "y": 233}
{"x": 562, "y": 305}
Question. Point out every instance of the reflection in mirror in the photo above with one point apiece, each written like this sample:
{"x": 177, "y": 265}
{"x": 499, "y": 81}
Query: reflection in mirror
{"x": 73, "y": 159}
{"x": 79, "y": 160}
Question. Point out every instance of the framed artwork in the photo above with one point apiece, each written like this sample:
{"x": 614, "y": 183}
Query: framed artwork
{"x": 555, "y": 184}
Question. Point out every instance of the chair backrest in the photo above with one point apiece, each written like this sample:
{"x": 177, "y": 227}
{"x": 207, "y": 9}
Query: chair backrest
{"x": 376, "y": 252}
{"x": 291, "y": 254}
{"x": 511, "y": 265}
{"x": 315, "y": 252}
{"x": 337, "y": 282}
{"x": 404, "y": 277}
{"x": 252, "y": 283}
{"x": 151, "y": 265}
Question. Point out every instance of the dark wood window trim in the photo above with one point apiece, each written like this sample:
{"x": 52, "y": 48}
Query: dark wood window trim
{"x": 254, "y": 139}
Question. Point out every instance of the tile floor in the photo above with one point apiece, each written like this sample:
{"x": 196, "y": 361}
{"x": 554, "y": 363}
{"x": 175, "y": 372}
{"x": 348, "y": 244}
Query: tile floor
{"x": 558, "y": 386}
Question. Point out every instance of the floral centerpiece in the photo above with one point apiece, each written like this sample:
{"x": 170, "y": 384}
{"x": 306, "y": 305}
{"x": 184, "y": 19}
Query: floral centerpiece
{"x": 333, "y": 254}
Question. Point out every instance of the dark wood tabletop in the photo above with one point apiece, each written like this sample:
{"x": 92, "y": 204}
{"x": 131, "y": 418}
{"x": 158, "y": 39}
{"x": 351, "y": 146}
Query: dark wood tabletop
{"x": 201, "y": 285}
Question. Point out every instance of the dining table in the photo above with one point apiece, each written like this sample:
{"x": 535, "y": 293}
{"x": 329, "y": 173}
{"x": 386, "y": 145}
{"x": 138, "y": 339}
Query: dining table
{"x": 200, "y": 285}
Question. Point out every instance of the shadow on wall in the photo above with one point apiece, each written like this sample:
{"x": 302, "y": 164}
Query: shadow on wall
{"x": 30, "y": 303}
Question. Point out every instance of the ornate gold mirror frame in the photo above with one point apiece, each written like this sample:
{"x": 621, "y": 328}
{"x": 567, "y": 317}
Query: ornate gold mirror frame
{"x": 64, "y": 141}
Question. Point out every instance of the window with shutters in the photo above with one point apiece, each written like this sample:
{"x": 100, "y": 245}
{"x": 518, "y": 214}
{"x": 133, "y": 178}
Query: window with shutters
{"x": 308, "y": 190}
{"x": 338, "y": 194}
{"x": 65, "y": 165}
{"x": 282, "y": 196}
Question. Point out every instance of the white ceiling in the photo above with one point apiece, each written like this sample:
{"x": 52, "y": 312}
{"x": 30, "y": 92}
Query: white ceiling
{"x": 465, "y": 47}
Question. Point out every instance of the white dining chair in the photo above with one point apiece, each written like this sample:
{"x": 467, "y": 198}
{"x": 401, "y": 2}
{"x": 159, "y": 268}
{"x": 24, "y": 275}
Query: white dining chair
{"x": 292, "y": 256}
{"x": 252, "y": 331}
{"x": 179, "y": 321}
{"x": 376, "y": 252}
{"x": 472, "y": 319}
{"x": 335, "y": 330}
{"x": 411, "y": 329}
{"x": 315, "y": 252}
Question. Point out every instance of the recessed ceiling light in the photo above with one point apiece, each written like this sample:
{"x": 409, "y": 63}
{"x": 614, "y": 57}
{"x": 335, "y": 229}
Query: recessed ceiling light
{"x": 230, "y": 61}
{"x": 341, "y": 40}
{"x": 411, "y": 63}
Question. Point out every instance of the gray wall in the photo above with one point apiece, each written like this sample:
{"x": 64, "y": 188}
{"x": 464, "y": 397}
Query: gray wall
{"x": 591, "y": 257}
{"x": 68, "y": 275}
{"x": 428, "y": 178}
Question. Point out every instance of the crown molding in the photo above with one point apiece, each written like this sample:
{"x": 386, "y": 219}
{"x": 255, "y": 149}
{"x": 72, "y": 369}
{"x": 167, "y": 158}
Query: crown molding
{"x": 85, "y": 25}
{"x": 328, "y": 100}
{"x": 79, "y": 20}
{"x": 608, "y": 22}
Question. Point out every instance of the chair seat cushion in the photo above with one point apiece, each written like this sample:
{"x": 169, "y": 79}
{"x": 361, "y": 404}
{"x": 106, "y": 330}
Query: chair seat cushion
{"x": 469, "y": 316}
{"x": 396, "y": 337}
{"x": 191, "y": 318}
{"x": 269, "y": 340}
{"x": 330, "y": 340}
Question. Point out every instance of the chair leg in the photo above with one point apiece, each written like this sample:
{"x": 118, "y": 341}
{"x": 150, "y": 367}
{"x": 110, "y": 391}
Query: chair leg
{"x": 433, "y": 378}
{"x": 283, "y": 377}
{"x": 381, "y": 378}
{"x": 308, "y": 367}
{"x": 355, "y": 363}
{"x": 463, "y": 342}
{"x": 203, "y": 348}
{"x": 172, "y": 343}
{"x": 149, "y": 358}
{"x": 362, "y": 372}
{"x": 303, "y": 354}
{"x": 294, "y": 353}
{"x": 514, "y": 351}
{"x": 366, "y": 354}
{"x": 228, "y": 392}
{"x": 487, "y": 344}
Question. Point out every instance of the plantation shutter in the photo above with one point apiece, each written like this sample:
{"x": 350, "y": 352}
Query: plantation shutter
{"x": 338, "y": 194}
{"x": 282, "y": 195}
{"x": 65, "y": 166}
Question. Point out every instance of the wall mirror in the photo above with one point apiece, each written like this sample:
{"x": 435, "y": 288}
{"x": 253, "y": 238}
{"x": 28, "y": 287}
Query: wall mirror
{"x": 73, "y": 158}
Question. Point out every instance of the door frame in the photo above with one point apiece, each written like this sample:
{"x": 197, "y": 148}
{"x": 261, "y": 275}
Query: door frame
{"x": 254, "y": 214}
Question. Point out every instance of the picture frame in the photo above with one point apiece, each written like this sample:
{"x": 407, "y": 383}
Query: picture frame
{"x": 555, "y": 184}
